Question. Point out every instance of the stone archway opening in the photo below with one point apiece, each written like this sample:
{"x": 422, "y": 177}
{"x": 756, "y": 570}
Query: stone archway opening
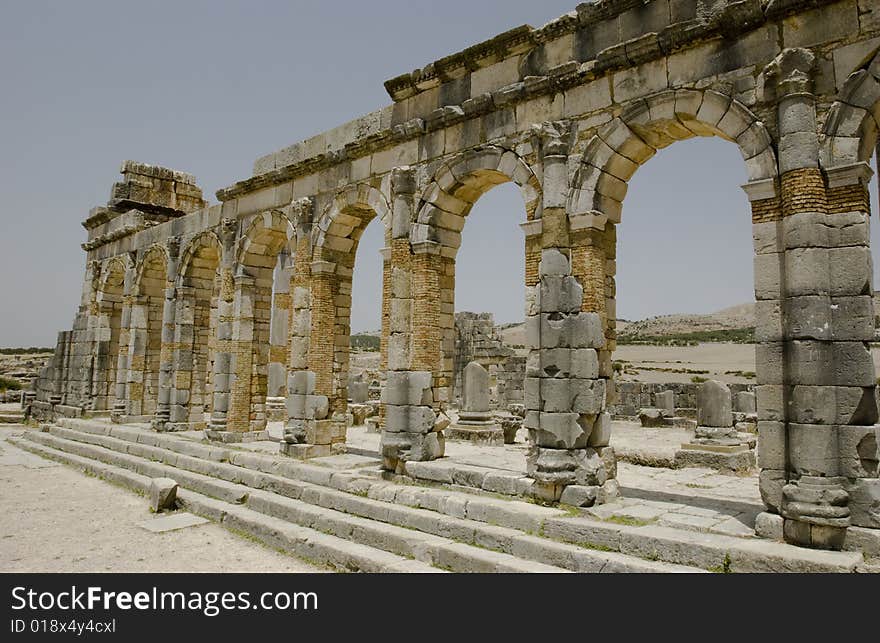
{"x": 488, "y": 321}
{"x": 146, "y": 356}
{"x": 436, "y": 237}
{"x": 683, "y": 316}
{"x": 368, "y": 327}
{"x": 199, "y": 296}
{"x": 264, "y": 274}
{"x": 110, "y": 304}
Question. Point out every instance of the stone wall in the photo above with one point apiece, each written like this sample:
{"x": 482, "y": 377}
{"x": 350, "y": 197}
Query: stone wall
{"x": 633, "y": 396}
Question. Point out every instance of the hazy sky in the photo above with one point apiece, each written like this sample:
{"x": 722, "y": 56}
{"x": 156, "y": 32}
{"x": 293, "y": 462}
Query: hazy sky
{"x": 208, "y": 86}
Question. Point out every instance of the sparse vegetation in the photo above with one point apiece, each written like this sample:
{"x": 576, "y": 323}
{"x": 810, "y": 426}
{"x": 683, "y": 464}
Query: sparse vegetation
{"x": 697, "y": 379}
{"x": 9, "y": 384}
{"x": 25, "y": 351}
{"x": 363, "y": 342}
{"x": 628, "y": 521}
{"x": 734, "y": 336}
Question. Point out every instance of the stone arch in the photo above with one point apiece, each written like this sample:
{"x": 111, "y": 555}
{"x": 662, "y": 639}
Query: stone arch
{"x": 457, "y": 186}
{"x": 647, "y": 125}
{"x": 335, "y": 239}
{"x": 269, "y": 237}
{"x": 267, "y": 234}
{"x": 197, "y": 316}
{"x": 852, "y": 126}
{"x": 200, "y": 247}
{"x": 346, "y": 217}
{"x": 441, "y": 212}
{"x": 151, "y": 280}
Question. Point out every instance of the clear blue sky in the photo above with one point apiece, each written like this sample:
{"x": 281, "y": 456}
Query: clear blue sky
{"x": 208, "y": 86}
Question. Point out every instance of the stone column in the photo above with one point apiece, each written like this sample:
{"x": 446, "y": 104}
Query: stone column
{"x": 310, "y": 431}
{"x": 120, "y": 403}
{"x": 279, "y": 346}
{"x": 182, "y": 414}
{"x": 137, "y": 349}
{"x": 238, "y": 421}
{"x": 322, "y": 319}
{"x": 386, "y": 308}
{"x": 166, "y": 366}
{"x": 103, "y": 371}
{"x": 565, "y": 394}
{"x": 813, "y": 365}
{"x": 222, "y": 375}
{"x": 411, "y": 430}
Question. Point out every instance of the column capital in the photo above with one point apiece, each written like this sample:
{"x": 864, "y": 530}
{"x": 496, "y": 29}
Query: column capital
{"x": 761, "y": 190}
{"x": 594, "y": 220}
{"x": 533, "y": 227}
{"x": 426, "y": 248}
{"x": 856, "y": 173}
{"x": 323, "y": 268}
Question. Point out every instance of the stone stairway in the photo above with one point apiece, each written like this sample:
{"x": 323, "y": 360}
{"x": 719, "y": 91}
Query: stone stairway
{"x": 354, "y": 519}
{"x": 11, "y": 417}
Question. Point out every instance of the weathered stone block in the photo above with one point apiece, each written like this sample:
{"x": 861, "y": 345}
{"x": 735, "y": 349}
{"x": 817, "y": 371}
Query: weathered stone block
{"x": 771, "y": 445}
{"x": 770, "y": 484}
{"x": 600, "y": 436}
{"x": 714, "y": 405}
{"x": 864, "y": 502}
{"x": 858, "y": 448}
{"x": 163, "y": 494}
{"x": 587, "y": 396}
{"x": 554, "y": 263}
{"x": 813, "y": 449}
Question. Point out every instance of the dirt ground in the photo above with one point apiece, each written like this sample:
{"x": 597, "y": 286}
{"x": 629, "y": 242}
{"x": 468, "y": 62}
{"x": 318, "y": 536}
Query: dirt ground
{"x": 57, "y": 519}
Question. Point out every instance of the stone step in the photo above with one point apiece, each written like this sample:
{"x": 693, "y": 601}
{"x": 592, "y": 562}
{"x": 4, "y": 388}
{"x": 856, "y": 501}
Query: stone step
{"x": 479, "y": 519}
{"x": 11, "y": 418}
{"x": 280, "y": 497}
{"x": 515, "y": 514}
{"x": 434, "y": 550}
{"x": 306, "y": 543}
{"x": 708, "y": 551}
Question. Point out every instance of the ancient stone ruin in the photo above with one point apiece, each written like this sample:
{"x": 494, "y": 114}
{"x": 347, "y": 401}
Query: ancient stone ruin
{"x": 175, "y": 326}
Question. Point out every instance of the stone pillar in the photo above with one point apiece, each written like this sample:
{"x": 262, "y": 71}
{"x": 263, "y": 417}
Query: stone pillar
{"x": 279, "y": 335}
{"x": 137, "y": 350}
{"x": 565, "y": 396}
{"x": 238, "y": 420}
{"x": 183, "y": 414}
{"x": 411, "y": 430}
{"x": 717, "y": 444}
{"x": 120, "y": 402}
{"x": 816, "y": 395}
{"x": 166, "y": 366}
{"x": 323, "y": 325}
{"x": 386, "y": 308}
{"x": 222, "y": 375}
{"x": 475, "y": 419}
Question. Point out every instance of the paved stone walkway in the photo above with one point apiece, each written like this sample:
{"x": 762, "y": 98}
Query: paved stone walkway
{"x": 55, "y": 519}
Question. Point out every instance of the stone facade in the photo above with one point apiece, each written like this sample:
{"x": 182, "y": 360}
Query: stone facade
{"x": 567, "y": 112}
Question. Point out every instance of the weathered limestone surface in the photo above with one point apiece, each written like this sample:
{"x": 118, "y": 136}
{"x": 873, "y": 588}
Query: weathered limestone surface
{"x": 174, "y": 324}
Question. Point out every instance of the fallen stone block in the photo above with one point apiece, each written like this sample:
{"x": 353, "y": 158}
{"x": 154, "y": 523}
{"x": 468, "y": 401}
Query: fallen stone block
{"x": 163, "y": 494}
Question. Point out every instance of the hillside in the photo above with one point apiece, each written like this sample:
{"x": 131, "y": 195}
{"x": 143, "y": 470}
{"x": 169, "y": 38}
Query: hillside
{"x": 735, "y": 318}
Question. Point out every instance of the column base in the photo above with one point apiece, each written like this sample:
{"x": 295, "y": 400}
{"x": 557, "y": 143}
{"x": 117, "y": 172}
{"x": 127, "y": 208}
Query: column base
{"x": 590, "y": 473}
{"x": 309, "y": 451}
{"x": 485, "y": 435}
{"x": 234, "y": 437}
{"x": 723, "y": 457}
{"x": 805, "y": 534}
